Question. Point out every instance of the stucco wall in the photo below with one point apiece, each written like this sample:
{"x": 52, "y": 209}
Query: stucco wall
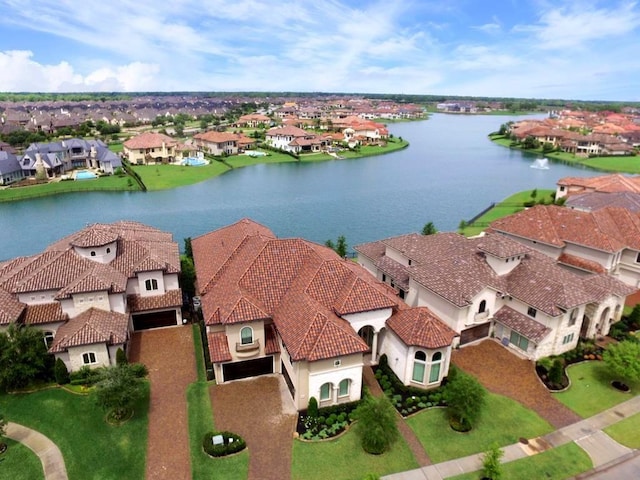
{"x": 326, "y": 371}
{"x": 100, "y": 351}
{"x": 85, "y": 301}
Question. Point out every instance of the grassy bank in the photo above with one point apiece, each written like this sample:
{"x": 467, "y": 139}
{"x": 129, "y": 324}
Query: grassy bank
{"x": 19, "y": 463}
{"x": 508, "y": 206}
{"x": 622, "y": 164}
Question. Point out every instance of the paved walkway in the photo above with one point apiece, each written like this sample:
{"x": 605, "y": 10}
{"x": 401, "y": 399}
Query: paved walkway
{"x": 261, "y": 411}
{"x": 602, "y": 449}
{"x": 405, "y": 430}
{"x": 48, "y": 452}
{"x": 169, "y": 374}
{"x": 502, "y": 372}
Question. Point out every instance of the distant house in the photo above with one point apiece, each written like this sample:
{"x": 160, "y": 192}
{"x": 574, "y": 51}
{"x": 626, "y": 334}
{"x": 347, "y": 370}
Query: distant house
{"x": 295, "y": 308}
{"x": 253, "y": 120}
{"x": 605, "y": 240}
{"x": 151, "y": 147}
{"x": 10, "y": 169}
{"x": 88, "y": 291}
{"x": 294, "y": 139}
{"x": 219, "y": 143}
{"x": 613, "y": 183}
{"x": 495, "y": 286}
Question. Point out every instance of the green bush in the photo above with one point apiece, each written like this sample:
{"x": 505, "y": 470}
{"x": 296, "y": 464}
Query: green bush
{"x": 232, "y": 443}
{"x": 556, "y": 372}
{"x": 121, "y": 357}
{"x": 139, "y": 370}
{"x": 61, "y": 373}
{"x": 312, "y": 407}
{"x": 85, "y": 376}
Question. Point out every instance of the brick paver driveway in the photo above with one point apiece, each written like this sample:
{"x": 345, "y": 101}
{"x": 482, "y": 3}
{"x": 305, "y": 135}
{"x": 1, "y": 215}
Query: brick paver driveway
{"x": 262, "y": 412}
{"x": 502, "y": 372}
{"x": 169, "y": 356}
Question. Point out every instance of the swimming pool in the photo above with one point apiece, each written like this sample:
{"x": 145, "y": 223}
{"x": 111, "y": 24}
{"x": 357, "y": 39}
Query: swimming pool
{"x": 255, "y": 153}
{"x": 194, "y": 162}
{"x": 85, "y": 175}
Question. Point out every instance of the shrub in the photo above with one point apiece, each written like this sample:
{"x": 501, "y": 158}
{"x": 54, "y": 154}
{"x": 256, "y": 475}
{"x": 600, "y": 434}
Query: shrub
{"x": 376, "y": 425}
{"x": 231, "y": 443}
{"x": 465, "y": 398}
{"x": 556, "y": 372}
{"x": 85, "y": 376}
{"x": 61, "y": 373}
{"x": 491, "y": 466}
{"x": 121, "y": 357}
{"x": 312, "y": 407}
{"x": 139, "y": 370}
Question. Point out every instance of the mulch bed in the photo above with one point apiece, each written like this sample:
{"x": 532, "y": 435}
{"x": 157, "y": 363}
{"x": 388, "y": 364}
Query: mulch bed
{"x": 254, "y": 410}
{"x": 502, "y": 372}
{"x": 169, "y": 356}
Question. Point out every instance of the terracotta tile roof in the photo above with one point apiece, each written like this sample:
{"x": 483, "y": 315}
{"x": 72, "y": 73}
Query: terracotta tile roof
{"x": 10, "y": 308}
{"x": 455, "y": 268}
{"x": 288, "y": 131}
{"x": 601, "y": 286}
{"x": 596, "y": 200}
{"x": 609, "y": 229}
{"x": 216, "y": 137}
{"x": 420, "y": 327}
{"x": 522, "y": 324}
{"x": 218, "y": 347}
{"x": 271, "y": 344}
{"x": 44, "y": 313}
{"x": 302, "y": 286}
{"x": 94, "y": 236}
{"x": 603, "y": 183}
{"x": 90, "y": 327}
{"x": 170, "y": 299}
{"x": 395, "y": 270}
{"x": 149, "y": 140}
{"x": 581, "y": 263}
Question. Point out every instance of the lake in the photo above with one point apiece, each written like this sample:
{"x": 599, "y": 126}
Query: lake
{"x": 450, "y": 172}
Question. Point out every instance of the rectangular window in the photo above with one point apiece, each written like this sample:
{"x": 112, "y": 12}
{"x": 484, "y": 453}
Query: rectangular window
{"x": 89, "y": 358}
{"x": 325, "y": 391}
{"x": 418, "y": 372}
{"x": 567, "y": 339}
{"x": 532, "y": 312}
{"x": 434, "y": 374}
{"x": 519, "y": 341}
{"x": 151, "y": 284}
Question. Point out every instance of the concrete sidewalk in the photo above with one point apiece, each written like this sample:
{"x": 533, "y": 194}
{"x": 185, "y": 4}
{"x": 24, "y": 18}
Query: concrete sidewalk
{"x": 48, "y": 452}
{"x": 588, "y": 434}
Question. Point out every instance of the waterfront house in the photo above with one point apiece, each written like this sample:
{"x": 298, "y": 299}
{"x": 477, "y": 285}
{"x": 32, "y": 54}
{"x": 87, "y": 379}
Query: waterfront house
{"x": 295, "y": 308}
{"x": 605, "y": 240}
{"x": 151, "y": 147}
{"x": 495, "y": 286}
{"x": 294, "y": 139}
{"x": 613, "y": 183}
{"x": 88, "y": 291}
{"x": 10, "y": 169}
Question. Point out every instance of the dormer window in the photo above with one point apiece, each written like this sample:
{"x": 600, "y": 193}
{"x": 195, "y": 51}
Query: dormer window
{"x": 532, "y": 312}
{"x": 151, "y": 284}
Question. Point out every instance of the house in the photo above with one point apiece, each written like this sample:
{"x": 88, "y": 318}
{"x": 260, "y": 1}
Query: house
{"x": 605, "y": 240}
{"x": 495, "y": 286}
{"x": 150, "y": 147}
{"x": 293, "y": 307}
{"x": 592, "y": 201}
{"x": 604, "y": 183}
{"x": 294, "y": 139}
{"x": 10, "y": 169}
{"x": 63, "y": 156}
{"x": 222, "y": 143}
{"x": 88, "y": 291}
{"x": 253, "y": 120}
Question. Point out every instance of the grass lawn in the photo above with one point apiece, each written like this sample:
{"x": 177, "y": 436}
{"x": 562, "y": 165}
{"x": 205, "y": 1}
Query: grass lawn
{"x": 344, "y": 459}
{"x": 393, "y": 144}
{"x": 497, "y": 424}
{"x": 116, "y": 147}
{"x": 508, "y": 206}
{"x": 590, "y": 390}
{"x": 200, "y": 422}
{"x": 108, "y": 183}
{"x": 19, "y": 463}
{"x": 162, "y": 177}
{"x": 91, "y": 448}
{"x": 626, "y": 431}
{"x": 556, "y": 464}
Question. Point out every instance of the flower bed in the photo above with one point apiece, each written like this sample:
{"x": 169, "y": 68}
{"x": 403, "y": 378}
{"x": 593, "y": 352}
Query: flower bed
{"x": 407, "y": 400}
{"x": 221, "y": 444}
{"x": 552, "y": 370}
{"x": 329, "y": 421}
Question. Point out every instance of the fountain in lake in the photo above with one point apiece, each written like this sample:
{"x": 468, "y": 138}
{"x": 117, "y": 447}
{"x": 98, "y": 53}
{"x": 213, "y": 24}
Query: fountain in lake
{"x": 541, "y": 164}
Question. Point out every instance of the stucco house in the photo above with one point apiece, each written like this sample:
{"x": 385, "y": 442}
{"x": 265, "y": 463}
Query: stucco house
{"x": 495, "y": 286}
{"x": 294, "y": 139}
{"x": 605, "y": 240}
{"x": 219, "y": 143}
{"x": 88, "y": 291}
{"x": 295, "y": 308}
{"x": 151, "y": 147}
{"x": 613, "y": 183}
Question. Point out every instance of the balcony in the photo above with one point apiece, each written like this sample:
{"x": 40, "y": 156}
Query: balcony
{"x": 248, "y": 349}
{"x": 481, "y": 317}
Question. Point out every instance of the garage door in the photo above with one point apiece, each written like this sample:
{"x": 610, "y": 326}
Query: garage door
{"x": 249, "y": 368}
{"x": 143, "y": 321}
{"x": 474, "y": 333}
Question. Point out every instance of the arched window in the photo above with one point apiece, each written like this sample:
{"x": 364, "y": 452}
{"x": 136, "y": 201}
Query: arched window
{"x": 48, "y": 339}
{"x": 419, "y": 365}
{"x": 482, "y": 307}
{"x": 246, "y": 336}
{"x": 434, "y": 372}
{"x": 325, "y": 392}
{"x": 343, "y": 388}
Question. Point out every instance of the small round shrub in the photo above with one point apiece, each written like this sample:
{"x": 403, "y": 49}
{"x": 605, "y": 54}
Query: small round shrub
{"x": 139, "y": 370}
{"x": 232, "y": 443}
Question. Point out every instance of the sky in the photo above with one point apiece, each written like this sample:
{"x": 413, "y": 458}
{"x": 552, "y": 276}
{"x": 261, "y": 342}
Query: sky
{"x": 568, "y": 49}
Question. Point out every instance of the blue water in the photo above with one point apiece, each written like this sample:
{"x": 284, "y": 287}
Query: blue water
{"x": 194, "y": 162}
{"x": 450, "y": 172}
{"x": 85, "y": 175}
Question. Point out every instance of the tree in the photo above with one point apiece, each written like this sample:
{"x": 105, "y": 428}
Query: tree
{"x": 429, "y": 229}
{"x": 60, "y": 372}
{"x": 340, "y": 246}
{"x": 462, "y": 225}
{"x": 465, "y": 398}
{"x": 376, "y": 426}
{"x": 491, "y": 466}
{"x": 118, "y": 390}
{"x": 534, "y": 193}
{"x": 23, "y": 357}
{"x": 188, "y": 249}
{"x": 623, "y": 359}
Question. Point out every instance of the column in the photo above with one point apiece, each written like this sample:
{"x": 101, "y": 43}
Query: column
{"x": 374, "y": 347}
